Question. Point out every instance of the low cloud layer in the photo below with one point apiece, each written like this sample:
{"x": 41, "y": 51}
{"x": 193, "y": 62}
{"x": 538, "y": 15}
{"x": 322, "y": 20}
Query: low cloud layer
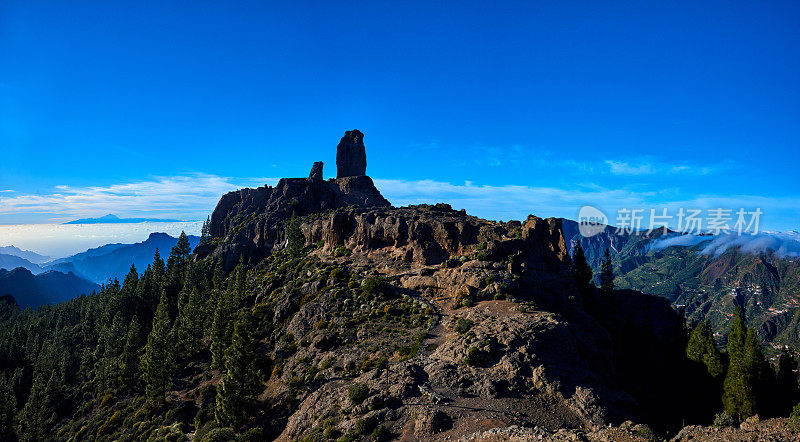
{"x": 193, "y": 197}
{"x": 784, "y": 245}
{"x": 186, "y": 197}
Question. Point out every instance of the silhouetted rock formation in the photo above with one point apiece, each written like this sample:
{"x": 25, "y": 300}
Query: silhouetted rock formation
{"x": 351, "y": 156}
{"x": 316, "y": 171}
{"x": 252, "y": 221}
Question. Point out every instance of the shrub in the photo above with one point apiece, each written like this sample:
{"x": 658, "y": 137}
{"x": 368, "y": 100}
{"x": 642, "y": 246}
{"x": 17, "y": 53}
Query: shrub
{"x": 205, "y": 429}
{"x": 357, "y": 393}
{"x": 723, "y": 419}
{"x": 338, "y": 273}
{"x": 452, "y": 263}
{"x": 374, "y": 285}
{"x": 361, "y": 426}
{"x": 794, "y": 418}
{"x": 462, "y": 325}
{"x": 219, "y": 435}
{"x": 294, "y": 385}
{"x": 464, "y": 299}
{"x": 380, "y": 434}
{"x": 474, "y": 356}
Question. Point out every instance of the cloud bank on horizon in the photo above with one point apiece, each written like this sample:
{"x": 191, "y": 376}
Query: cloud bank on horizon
{"x": 193, "y": 197}
{"x": 61, "y": 240}
{"x": 783, "y": 244}
{"x": 185, "y": 197}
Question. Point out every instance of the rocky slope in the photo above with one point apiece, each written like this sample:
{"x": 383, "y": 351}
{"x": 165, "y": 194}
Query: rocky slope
{"x": 477, "y": 324}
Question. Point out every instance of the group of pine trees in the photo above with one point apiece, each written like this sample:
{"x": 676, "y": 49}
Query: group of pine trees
{"x": 742, "y": 381}
{"x": 747, "y": 382}
{"x": 582, "y": 273}
{"x": 129, "y": 340}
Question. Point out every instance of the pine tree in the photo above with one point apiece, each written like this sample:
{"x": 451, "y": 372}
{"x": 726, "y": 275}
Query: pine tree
{"x": 157, "y": 363}
{"x": 109, "y": 348}
{"x": 607, "y": 274}
{"x": 176, "y": 271}
{"x": 8, "y": 407}
{"x": 128, "y": 292}
{"x": 701, "y": 348}
{"x": 241, "y": 383}
{"x": 787, "y": 389}
{"x": 205, "y": 233}
{"x": 159, "y": 272}
{"x": 221, "y": 329}
{"x": 745, "y": 370}
{"x": 32, "y": 417}
{"x": 581, "y": 271}
{"x": 296, "y": 241}
{"x": 190, "y": 324}
{"x": 219, "y": 275}
{"x": 130, "y": 356}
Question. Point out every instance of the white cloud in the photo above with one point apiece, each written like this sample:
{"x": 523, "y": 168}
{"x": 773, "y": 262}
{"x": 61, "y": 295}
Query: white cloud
{"x": 189, "y": 197}
{"x": 782, "y": 245}
{"x": 507, "y": 202}
{"x": 623, "y": 168}
{"x": 193, "y": 197}
{"x": 516, "y": 202}
{"x": 647, "y": 166}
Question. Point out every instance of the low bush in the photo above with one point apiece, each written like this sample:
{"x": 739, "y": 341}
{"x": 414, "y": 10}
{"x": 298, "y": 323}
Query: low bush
{"x": 357, "y": 393}
{"x": 462, "y": 325}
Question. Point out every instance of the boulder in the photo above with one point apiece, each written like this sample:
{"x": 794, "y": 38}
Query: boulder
{"x": 351, "y": 156}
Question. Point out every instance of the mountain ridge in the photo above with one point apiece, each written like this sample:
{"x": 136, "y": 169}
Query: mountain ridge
{"x": 113, "y": 219}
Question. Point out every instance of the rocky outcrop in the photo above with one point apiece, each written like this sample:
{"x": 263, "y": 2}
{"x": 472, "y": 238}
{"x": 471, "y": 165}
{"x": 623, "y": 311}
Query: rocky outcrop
{"x": 251, "y": 222}
{"x": 351, "y": 156}
{"x": 248, "y": 223}
{"x": 533, "y": 352}
{"x": 316, "y": 171}
{"x": 428, "y": 235}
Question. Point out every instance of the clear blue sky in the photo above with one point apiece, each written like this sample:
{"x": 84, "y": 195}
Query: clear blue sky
{"x": 503, "y": 108}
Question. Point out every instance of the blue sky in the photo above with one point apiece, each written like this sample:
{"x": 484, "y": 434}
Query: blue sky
{"x": 156, "y": 108}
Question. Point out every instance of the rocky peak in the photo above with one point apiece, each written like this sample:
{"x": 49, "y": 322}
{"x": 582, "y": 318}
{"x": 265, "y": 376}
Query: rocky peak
{"x": 351, "y": 156}
{"x": 252, "y": 221}
{"x": 316, "y": 171}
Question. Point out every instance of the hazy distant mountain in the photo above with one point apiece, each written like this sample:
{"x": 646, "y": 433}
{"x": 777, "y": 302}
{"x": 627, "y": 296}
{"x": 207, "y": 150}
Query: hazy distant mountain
{"x": 51, "y": 287}
{"x": 25, "y": 254}
{"x": 114, "y": 260}
{"x": 10, "y": 262}
{"x": 113, "y": 219}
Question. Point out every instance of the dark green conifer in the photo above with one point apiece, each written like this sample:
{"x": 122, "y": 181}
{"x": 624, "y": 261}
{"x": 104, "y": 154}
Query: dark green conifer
{"x": 581, "y": 271}
{"x": 607, "y": 274}
{"x": 701, "y": 348}
{"x": 8, "y": 407}
{"x": 294, "y": 235}
{"x": 157, "y": 363}
{"x": 241, "y": 383}
{"x": 786, "y": 383}
{"x": 130, "y": 356}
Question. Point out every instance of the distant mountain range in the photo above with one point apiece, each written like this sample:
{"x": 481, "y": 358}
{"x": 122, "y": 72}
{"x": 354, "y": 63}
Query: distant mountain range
{"x": 10, "y": 262}
{"x": 114, "y": 260}
{"x": 113, "y": 219}
{"x": 33, "y": 285}
{"x": 50, "y": 287}
{"x": 25, "y": 254}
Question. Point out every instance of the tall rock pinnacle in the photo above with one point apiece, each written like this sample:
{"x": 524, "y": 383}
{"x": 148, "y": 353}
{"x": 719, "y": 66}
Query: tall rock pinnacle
{"x": 351, "y": 156}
